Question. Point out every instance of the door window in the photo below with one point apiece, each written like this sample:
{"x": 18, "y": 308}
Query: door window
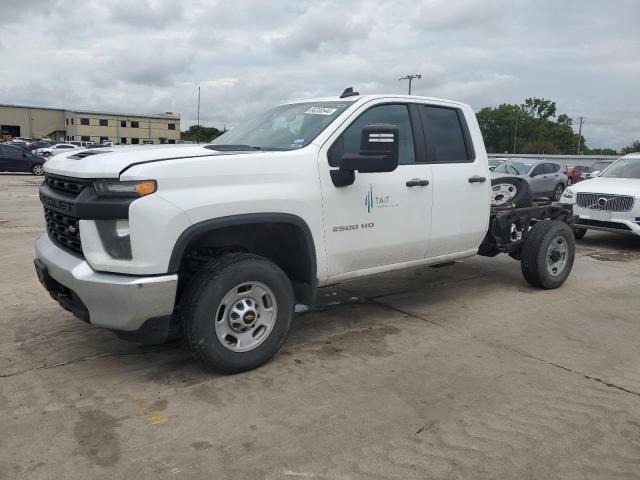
{"x": 539, "y": 169}
{"x": 349, "y": 142}
{"x": 446, "y": 135}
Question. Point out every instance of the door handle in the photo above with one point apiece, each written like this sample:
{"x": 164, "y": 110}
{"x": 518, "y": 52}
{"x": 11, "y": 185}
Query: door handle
{"x": 417, "y": 182}
{"x": 477, "y": 179}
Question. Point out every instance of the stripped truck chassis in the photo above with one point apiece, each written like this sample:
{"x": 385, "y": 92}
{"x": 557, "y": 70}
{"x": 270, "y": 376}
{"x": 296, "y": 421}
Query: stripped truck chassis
{"x": 508, "y": 228}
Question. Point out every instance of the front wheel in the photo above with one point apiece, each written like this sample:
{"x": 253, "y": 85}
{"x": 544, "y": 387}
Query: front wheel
{"x": 236, "y": 312}
{"x": 557, "y": 192}
{"x": 547, "y": 254}
{"x": 37, "y": 170}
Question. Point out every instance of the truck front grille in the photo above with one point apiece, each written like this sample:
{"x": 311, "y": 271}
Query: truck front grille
{"x": 605, "y": 202}
{"x": 70, "y": 186}
{"x": 63, "y": 230}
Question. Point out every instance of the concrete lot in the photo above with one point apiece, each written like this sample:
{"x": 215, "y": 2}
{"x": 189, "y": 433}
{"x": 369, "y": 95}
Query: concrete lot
{"x": 459, "y": 372}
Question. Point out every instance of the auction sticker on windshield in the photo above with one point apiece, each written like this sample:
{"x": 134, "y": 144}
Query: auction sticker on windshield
{"x": 321, "y": 111}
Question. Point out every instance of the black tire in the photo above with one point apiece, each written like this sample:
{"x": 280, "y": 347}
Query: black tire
{"x": 37, "y": 170}
{"x": 557, "y": 192}
{"x": 201, "y": 300}
{"x": 579, "y": 232}
{"x": 522, "y": 195}
{"x": 536, "y": 251}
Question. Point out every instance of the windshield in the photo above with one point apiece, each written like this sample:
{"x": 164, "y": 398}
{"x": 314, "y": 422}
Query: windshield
{"x": 600, "y": 166}
{"x": 514, "y": 168}
{"x": 624, "y": 168}
{"x": 495, "y": 162}
{"x": 286, "y": 127}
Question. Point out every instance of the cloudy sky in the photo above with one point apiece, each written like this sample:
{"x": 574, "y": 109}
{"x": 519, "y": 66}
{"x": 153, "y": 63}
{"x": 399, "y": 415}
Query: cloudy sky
{"x": 148, "y": 56}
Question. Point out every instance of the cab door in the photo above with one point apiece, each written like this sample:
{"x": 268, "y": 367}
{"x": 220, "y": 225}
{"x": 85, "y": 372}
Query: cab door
{"x": 461, "y": 183}
{"x": 382, "y": 218}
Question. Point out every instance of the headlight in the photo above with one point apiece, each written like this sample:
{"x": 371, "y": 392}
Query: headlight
{"x": 115, "y": 188}
{"x": 115, "y": 237}
{"x": 568, "y": 194}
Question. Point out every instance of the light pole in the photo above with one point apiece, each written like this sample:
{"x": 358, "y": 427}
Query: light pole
{"x": 417, "y": 76}
{"x": 198, "y": 134}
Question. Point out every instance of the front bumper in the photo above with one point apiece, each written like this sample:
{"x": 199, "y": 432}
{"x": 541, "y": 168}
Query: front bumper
{"x": 113, "y": 301}
{"x": 616, "y": 222}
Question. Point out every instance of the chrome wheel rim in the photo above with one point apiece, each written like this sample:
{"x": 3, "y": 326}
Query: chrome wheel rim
{"x": 557, "y": 256}
{"x": 558, "y": 193}
{"x": 503, "y": 193}
{"x": 246, "y": 316}
{"x": 38, "y": 170}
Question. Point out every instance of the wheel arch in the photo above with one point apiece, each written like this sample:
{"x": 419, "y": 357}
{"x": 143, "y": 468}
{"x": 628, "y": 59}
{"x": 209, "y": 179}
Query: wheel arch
{"x": 283, "y": 238}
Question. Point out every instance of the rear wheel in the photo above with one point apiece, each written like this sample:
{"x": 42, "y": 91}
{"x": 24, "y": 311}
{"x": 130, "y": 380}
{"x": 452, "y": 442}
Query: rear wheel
{"x": 548, "y": 254}
{"x": 236, "y": 312}
{"x": 37, "y": 170}
{"x": 579, "y": 232}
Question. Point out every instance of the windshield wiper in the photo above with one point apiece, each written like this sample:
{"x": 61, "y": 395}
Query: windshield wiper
{"x": 232, "y": 148}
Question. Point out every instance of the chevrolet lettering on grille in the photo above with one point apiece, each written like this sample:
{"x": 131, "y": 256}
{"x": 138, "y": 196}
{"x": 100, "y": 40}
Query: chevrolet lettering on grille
{"x": 56, "y": 204}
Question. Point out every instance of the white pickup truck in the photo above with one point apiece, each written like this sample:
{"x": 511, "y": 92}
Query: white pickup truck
{"x": 218, "y": 242}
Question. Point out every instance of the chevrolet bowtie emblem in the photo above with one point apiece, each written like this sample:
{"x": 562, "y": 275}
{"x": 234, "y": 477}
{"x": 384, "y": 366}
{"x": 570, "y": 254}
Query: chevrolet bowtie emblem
{"x": 71, "y": 229}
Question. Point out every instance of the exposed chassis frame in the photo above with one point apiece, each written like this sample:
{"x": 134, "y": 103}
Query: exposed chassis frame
{"x": 508, "y": 228}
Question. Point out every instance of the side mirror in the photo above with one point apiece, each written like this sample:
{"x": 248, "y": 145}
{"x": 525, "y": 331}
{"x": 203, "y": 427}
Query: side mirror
{"x": 379, "y": 150}
{"x": 532, "y": 174}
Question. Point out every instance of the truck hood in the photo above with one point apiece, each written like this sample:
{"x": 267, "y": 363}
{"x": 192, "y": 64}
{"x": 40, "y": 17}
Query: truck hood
{"x": 614, "y": 186}
{"x": 110, "y": 162}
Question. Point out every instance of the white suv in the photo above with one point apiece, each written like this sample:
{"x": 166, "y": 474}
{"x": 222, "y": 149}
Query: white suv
{"x": 610, "y": 201}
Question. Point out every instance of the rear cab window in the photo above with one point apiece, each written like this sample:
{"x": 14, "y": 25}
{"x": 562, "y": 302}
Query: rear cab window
{"x": 446, "y": 134}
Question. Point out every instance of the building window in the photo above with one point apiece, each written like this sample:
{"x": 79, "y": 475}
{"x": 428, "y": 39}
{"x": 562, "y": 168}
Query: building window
{"x": 135, "y": 125}
{"x": 172, "y": 126}
{"x": 172, "y": 141}
{"x": 67, "y": 121}
{"x": 85, "y": 138}
{"x": 72, "y": 121}
{"x": 123, "y": 141}
{"x": 104, "y": 122}
{"x": 84, "y": 121}
{"x": 135, "y": 141}
{"x": 123, "y": 124}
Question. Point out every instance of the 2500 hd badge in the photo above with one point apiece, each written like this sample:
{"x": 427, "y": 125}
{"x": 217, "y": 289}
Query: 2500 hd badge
{"x": 346, "y": 228}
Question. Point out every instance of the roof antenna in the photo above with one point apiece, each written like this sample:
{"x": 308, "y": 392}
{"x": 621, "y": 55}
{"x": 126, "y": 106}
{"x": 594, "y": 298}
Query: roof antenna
{"x": 348, "y": 92}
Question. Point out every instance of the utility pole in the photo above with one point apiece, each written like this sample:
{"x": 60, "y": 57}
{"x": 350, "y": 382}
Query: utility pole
{"x": 580, "y": 136}
{"x": 417, "y": 76}
{"x": 198, "y": 133}
{"x": 515, "y": 135}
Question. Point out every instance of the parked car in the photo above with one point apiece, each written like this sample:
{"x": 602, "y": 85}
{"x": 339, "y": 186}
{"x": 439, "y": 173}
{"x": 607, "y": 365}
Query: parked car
{"x": 55, "y": 149}
{"x": 81, "y": 144}
{"x": 595, "y": 169}
{"x": 220, "y": 241}
{"x": 24, "y": 145}
{"x": 573, "y": 173}
{"x": 37, "y": 145}
{"x": 545, "y": 178}
{"x": 14, "y": 159}
{"x": 610, "y": 201}
{"x": 494, "y": 162}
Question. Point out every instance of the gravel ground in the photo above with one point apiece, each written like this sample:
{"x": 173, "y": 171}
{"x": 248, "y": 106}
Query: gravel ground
{"x": 458, "y": 372}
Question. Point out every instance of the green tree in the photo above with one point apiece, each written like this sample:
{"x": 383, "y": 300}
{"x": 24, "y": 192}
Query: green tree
{"x": 530, "y": 127}
{"x": 634, "y": 147}
{"x": 204, "y": 134}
